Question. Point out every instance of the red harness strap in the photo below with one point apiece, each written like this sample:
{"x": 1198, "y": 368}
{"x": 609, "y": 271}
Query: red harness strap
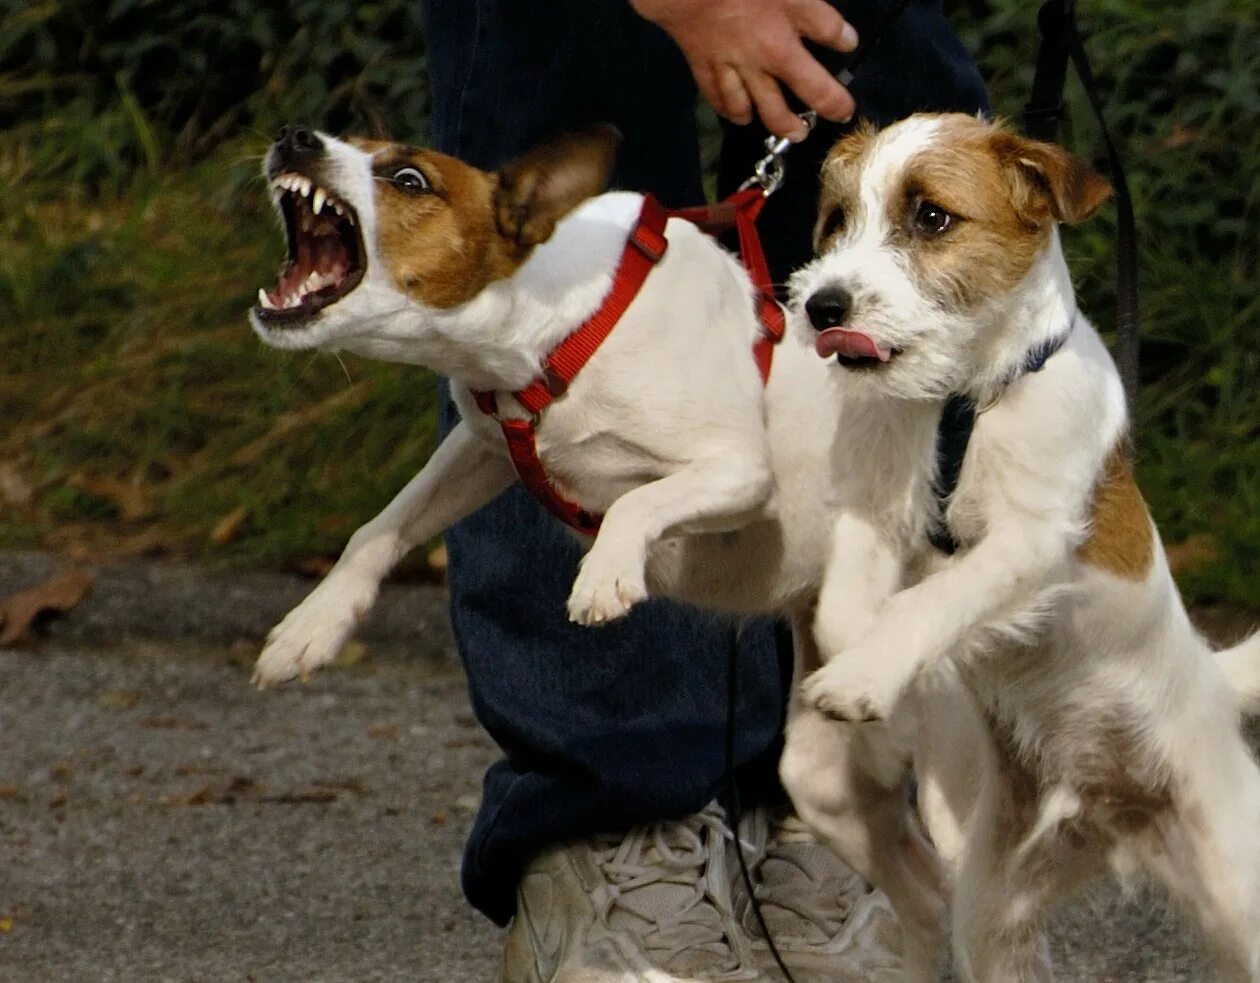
{"x": 644, "y": 249}
{"x": 741, "y": 210}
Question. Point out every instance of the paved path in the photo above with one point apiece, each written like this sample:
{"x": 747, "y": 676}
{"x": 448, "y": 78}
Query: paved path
{"x": 159, "y": 820}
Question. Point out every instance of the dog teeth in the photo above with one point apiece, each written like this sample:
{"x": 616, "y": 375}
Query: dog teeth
{"x": 320, "y": 198}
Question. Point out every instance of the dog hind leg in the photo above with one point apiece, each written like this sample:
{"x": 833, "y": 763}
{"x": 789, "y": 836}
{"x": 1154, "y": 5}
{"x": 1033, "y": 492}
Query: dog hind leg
{"x": 1209, "y": 858}
{"x": 852, "y": 794}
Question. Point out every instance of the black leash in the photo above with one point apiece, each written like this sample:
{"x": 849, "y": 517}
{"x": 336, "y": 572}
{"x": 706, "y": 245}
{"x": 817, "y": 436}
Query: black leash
{"x": 734, "y": 810}
{"x": 1061, "y": 43}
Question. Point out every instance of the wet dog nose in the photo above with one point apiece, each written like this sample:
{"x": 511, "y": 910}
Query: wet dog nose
{"x": 829, "y": 307}
{"x": 296, "y": 143}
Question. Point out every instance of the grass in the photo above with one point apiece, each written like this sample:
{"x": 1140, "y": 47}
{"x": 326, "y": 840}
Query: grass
{"x": 139, "y": 408}
{"x": 138, "y": 413}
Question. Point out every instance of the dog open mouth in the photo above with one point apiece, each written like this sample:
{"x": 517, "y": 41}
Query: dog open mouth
{"x": 853, "y": 349}
{"x": 325, "y": 252}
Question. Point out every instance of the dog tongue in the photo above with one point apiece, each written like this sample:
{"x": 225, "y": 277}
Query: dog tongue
{"x": 849, "y": 343}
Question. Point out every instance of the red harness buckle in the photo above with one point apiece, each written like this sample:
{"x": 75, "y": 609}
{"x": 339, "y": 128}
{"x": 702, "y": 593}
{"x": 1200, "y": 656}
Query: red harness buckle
{"x": 649, "y": 242}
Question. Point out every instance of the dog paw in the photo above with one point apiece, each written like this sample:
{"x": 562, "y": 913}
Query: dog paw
{"x": 605, "y": 592}
{"x": 850, "y": 692}
{"x": 311, "y": 635}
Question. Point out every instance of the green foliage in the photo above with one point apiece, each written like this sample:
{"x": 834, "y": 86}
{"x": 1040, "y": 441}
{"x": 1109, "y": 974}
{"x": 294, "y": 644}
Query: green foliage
{"x": 100, "y": 89}
{"x": 134, "y": 236}
{"x": 1183, "y": 94}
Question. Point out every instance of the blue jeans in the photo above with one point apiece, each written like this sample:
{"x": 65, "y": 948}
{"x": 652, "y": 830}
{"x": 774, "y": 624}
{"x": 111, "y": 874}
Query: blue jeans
{"x": 602, "y": 729}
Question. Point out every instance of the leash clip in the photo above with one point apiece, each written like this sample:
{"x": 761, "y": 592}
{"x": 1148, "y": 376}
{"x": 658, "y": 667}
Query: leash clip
{"x": 770, "y": 171}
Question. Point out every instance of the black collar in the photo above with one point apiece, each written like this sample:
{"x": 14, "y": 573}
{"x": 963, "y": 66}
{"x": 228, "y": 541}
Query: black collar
{"x": 953, "y": 434}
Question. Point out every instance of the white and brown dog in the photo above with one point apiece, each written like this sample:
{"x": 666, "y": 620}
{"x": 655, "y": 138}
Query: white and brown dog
{"x": 714, "y": 490}
{"x": 711, "y": 490}
{"x": 1109, "y": 733}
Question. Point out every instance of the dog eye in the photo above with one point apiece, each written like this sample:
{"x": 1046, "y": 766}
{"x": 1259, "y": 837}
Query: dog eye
{"x": 832, "y": 224}
{"x": 411, "y": 180}
{"x": 932, "y": 219}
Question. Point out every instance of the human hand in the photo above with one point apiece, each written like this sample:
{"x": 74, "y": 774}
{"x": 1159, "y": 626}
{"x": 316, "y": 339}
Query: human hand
{"x": 740, "y": 50}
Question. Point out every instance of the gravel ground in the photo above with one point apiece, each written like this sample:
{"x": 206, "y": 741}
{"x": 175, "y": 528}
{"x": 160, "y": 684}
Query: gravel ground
{"x": 159, "y": 820}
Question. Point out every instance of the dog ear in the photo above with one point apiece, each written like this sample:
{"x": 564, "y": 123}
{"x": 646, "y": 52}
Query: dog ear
{"x": 538, "y": 189}
{"x": 1046, "y": 178}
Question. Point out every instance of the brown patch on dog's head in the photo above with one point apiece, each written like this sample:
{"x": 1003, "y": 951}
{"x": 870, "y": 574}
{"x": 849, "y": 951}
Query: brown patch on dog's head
{"x": 1120, "y": 539}
{"x": 975, "y": 207}
{"x": 537, "y": 190}
{"x": 446, "y": 230}
{"x": 841, "y": 174}
{"x": 1047, "y": 182}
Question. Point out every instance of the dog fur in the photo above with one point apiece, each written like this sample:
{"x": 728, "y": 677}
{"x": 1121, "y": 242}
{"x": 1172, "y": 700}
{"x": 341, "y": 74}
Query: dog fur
{"x": 667, "y": 431}
{"x": 715, "y": 490}
{"x": 1095, "y": 728}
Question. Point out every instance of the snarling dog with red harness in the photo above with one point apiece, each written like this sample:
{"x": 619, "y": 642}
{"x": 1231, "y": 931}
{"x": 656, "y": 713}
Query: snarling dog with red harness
{"x": 675, "y": 442}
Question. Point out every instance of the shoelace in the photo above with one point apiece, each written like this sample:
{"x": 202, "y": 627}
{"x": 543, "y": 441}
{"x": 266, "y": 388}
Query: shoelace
{"x": 675, "y": 857}
{"x": 828, "y": 910}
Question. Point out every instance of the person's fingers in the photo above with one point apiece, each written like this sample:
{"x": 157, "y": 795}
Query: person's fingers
{"x": 734, "y": 95}
{"x": 771, "y": 107}
{"x": 821, "y": 22}
{"x": 705, "y": 74}
{"x": 817, "y": 87}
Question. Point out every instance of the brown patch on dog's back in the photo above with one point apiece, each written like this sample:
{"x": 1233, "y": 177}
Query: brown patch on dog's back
{"x": 442, "y": 247}
{"x": 1120, "y": 539}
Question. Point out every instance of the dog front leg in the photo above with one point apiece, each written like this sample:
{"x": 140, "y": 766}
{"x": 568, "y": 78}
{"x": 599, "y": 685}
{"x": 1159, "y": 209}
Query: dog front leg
{"x": 462, "y": 475}
{"x": 706, "y": 496}
{"x": 930, "y": 620}
{"x": 862, "y": 572}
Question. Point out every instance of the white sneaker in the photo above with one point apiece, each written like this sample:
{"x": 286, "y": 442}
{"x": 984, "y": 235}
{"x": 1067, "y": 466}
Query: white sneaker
{"x": 654, "y": 905}
{"x": 828, "y": 924}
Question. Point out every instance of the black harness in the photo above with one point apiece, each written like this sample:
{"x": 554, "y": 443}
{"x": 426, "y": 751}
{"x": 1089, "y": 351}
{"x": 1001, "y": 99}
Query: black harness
{"x": 953, "y": 434}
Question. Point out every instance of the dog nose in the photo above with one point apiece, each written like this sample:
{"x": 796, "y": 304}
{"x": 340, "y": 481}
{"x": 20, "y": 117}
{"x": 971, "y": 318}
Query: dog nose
{"x": 296, "y": 142}
{"x": 829, "y": 307}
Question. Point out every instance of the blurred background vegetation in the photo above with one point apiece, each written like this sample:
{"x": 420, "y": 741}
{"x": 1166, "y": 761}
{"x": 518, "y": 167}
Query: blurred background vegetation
{"x": 138, "y": 415}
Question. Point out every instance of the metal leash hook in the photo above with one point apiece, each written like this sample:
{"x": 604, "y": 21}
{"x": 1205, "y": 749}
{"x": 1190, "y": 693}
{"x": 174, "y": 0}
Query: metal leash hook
{"x": 770, "y": 172}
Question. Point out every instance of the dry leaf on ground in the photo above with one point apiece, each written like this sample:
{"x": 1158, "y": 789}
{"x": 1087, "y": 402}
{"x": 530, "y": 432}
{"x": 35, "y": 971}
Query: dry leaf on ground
{"x": 19, "y": 611}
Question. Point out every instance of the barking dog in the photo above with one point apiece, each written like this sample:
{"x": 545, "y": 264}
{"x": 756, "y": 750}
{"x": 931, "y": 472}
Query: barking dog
{"x": 711, "y": 489}
{"x": 1109, "y": 729}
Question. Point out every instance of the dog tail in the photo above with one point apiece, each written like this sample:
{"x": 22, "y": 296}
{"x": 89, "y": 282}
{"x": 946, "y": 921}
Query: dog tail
{"x": 1241, "y": 665}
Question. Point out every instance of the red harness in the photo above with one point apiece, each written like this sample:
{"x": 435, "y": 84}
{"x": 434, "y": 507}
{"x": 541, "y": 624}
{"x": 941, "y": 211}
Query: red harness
{"x": 645, "y": 246}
